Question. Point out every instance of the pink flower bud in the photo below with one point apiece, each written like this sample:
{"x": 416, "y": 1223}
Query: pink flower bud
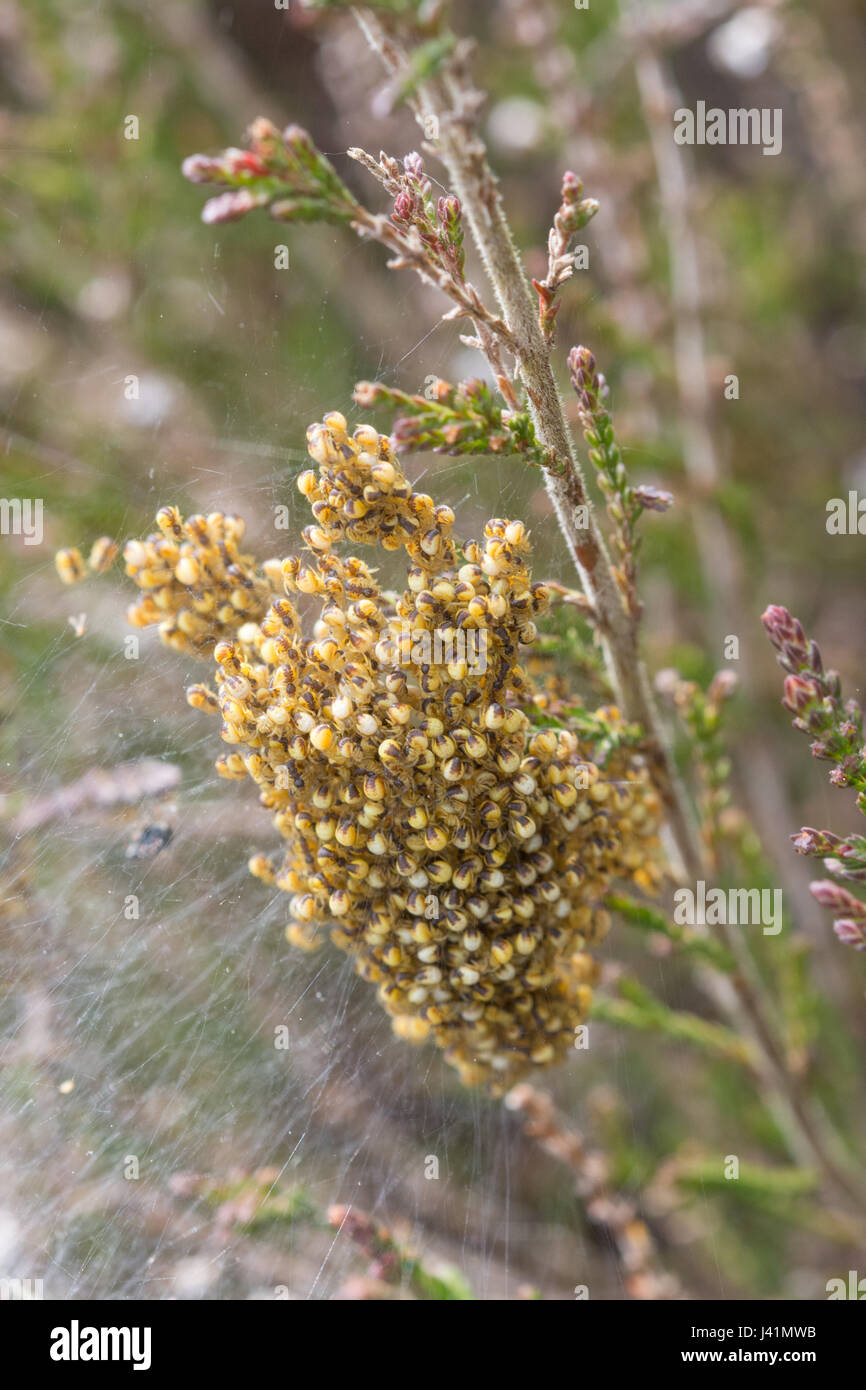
{"x": 654, "y": 499}
{"x": 799, "y": 694}
{"x": 200, "y": 168}
{"x": 571, "y": 186}
{"x": 838, "y": 899}
{"x": 850, "y": 933}
{"x": 228, "y": 207}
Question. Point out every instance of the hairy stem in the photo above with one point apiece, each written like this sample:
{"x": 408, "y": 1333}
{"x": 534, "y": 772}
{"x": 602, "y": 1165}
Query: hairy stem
{"x": 447, "y": 104}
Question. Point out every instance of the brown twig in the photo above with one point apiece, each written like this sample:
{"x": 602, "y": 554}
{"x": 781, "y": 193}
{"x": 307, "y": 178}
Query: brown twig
{"x": 605, "y": 1208}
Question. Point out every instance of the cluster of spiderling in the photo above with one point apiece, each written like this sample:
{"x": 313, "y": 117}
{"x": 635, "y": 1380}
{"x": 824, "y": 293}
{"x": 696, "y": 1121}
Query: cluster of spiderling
{"x": 70, "y": 563}
{"x": 195, "y": 582}
{"x": 456, "y": 852}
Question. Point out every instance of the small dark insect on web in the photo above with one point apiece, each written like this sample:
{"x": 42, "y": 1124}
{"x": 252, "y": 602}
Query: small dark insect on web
{"x": 148, "y": 841}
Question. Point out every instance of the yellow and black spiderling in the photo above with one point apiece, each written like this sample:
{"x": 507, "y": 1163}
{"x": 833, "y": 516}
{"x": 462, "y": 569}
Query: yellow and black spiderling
{"x": 70, "y": 565}
{"x": 458, "y": 853}
{"x": 195, "y": 582}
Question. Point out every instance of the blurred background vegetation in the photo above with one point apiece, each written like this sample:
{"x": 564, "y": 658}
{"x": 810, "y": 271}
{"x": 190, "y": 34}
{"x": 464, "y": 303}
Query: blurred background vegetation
{"x": 165, "y": 1024}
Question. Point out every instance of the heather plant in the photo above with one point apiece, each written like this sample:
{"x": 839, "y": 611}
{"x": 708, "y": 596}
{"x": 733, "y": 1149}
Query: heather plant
{"x": 814, "y": 696}
{"x": 475, "y": 788}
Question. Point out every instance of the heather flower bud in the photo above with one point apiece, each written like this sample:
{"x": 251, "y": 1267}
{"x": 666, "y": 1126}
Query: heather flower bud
{"x": 653, "y": 499}
{"x": 800, "y": 694}
{"x": 810, "y": 841}
{"x": 837, "y": 898}
{"x": 288, "y": 175}
{"x": 230, "y": 207}
{"x": 851, "y": 933}
{"x": 786, "y": 634}
{"x": 200, "y": 168}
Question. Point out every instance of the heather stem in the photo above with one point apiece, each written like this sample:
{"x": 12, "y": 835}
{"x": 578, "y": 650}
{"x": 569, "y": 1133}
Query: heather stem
{"x": 451, "y": 106}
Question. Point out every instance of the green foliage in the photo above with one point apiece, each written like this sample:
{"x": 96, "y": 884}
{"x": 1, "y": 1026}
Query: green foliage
{"x": 425, "y": 61}
{"x": 649, "y": 919}
{"x": 636, "y": 1007}
{"x": 253, "y": 1203}
{"x": 465, "y": 419}
{"x": 753, "y": 1183}
{"x": 625, "y": 502}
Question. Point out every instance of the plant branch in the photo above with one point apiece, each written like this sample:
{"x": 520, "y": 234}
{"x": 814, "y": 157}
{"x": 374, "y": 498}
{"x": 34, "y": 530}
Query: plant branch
{"x": 616, "y": 1214}
{"x": 448, "y": 103}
